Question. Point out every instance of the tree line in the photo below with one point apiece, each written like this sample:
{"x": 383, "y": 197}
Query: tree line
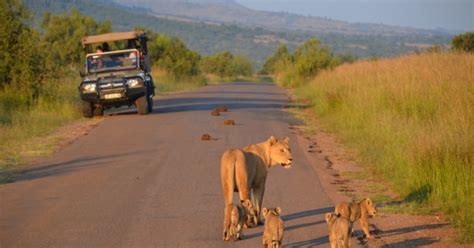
{"x": 33, "y": 56}
{"x": 309, "y": 58}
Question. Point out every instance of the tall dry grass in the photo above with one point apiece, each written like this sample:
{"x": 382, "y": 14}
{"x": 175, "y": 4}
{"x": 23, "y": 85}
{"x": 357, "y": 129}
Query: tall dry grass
{"x": 412, "y": 120}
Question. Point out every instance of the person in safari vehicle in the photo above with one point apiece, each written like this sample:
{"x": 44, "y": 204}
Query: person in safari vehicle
{"x": 114, "y": 78}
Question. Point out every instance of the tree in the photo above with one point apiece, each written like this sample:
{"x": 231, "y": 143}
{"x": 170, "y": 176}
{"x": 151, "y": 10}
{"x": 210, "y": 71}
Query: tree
{"x": 463, "y": 42}
{"x": 225, "y": 64}
{"x": 172, "y": 55}
{"x": 310, "y": 58}
{"x": 280, "y": 54}
{"x": 63, "y": 34}
{"x": 21, "y": 60}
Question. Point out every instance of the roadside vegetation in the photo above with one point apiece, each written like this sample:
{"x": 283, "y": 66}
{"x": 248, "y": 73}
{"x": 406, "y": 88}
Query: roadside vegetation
{"x": 38, "y": 79}
{"x": 410, "y": 118}
{"x": 39, "y": 75}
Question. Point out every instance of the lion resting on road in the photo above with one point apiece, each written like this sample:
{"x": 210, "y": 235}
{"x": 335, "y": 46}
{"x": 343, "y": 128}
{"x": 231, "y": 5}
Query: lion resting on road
{"x": 357, "y": 211}
{"x": 245, "y": 171}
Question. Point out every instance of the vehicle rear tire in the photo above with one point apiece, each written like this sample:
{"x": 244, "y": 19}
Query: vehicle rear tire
{"x": 87, "y": 109}
{"x": 142, "y": 105}
{"x": 98, "y": 111}
{"x": 150, "y": 104}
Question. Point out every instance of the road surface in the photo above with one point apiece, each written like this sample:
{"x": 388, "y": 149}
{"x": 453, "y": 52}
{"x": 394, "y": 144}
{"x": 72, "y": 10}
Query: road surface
{"x": 149, "y": 181}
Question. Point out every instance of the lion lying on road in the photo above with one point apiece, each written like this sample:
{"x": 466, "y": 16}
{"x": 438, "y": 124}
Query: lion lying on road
{"x": 245, "y": 171}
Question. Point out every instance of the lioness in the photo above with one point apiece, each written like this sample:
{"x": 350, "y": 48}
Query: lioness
{"x": 245, "y": 171}
{"x": 339, "y": 231}
{"x": 238, "y": 219}
{"x": 360, "y": 210}
{"x": 273, "y": 230}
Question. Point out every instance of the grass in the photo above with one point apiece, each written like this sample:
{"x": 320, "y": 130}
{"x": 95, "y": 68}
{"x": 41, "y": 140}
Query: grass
{"x": 166, "y": 83}
{"x": 411, "y": 119}
{"x": 23, "y": 125}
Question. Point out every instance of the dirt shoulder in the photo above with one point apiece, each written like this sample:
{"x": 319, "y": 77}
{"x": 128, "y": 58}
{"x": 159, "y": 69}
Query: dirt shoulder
{"x": 343, "y": 179}
{"x": 47, "y": 146}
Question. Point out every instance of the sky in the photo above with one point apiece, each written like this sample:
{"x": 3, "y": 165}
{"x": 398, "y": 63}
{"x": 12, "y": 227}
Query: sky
{"x": 454, "y": 15}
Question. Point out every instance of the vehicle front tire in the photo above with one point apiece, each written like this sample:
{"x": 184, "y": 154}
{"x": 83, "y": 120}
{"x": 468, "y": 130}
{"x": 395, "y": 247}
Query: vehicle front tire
{"x": 87, "y": 109}
{"x": 142, "y": 105}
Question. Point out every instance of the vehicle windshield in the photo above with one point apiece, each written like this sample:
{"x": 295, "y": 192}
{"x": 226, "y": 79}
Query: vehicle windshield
{"x": 108, "y": 61}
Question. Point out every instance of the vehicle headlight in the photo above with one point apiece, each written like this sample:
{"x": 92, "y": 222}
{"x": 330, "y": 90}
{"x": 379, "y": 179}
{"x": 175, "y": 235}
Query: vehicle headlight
{"x": 91, "y": 87}
{"x": 134, "y": 82}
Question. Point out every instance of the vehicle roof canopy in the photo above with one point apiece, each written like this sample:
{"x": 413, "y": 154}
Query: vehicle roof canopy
{"x": 112, "y": 37}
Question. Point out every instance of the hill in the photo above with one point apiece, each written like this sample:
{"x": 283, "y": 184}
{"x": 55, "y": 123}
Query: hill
{"x": 255, "y": 42}
{"x": 231, "y": 12}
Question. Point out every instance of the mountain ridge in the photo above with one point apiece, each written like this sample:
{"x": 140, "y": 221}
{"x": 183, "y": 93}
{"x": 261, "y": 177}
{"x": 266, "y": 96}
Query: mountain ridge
{"x": 231, "y": 12}
{"x": 256, "y": 43}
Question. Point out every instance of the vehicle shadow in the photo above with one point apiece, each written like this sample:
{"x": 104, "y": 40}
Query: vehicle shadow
{"x": 172, "y": 105}
{"x": 69, "y": 166}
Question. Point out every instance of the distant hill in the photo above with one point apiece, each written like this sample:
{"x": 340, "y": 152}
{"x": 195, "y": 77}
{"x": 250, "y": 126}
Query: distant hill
{"x": 231, "y": 12}
{"x": 257, "y": 43}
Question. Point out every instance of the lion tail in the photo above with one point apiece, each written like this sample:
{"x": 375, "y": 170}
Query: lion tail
{"x": 228, "y": 171}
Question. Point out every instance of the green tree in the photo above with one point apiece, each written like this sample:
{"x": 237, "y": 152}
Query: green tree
{"x": 310, "y": 58}
{"x": 63, "y": 34}
{"x": 242, "y": 66}
{"x": 225, "y": 64}
{"x": 281, "y": 55}
{"x": 172, "y": 55}
{"x": 463, "y": 42}
{"x": 21, "y": 60}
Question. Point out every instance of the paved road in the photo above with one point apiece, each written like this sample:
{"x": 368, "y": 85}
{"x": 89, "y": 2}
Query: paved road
{"x": 149, "y": 181}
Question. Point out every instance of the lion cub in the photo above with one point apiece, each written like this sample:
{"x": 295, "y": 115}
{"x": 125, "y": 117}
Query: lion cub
{"x": 339, "y": 231}
{"x": 354, "y": 211}
{"x": 240, "y": 217}
{"x": 273, "y": 230}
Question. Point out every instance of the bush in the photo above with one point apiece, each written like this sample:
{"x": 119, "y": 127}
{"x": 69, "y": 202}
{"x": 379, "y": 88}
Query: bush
{"x": 225, "y": 64}
{"x": 463, "y": 42}
{"x": 172, "y": 55}
{"x": 307, "y": 61}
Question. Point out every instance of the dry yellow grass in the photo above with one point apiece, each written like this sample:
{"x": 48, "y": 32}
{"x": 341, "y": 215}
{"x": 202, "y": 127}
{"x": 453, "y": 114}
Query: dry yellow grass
{"x": 412, "y": 120}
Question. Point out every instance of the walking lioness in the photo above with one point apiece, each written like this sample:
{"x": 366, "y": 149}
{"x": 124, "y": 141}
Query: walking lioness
{"x": 245, "y": 171}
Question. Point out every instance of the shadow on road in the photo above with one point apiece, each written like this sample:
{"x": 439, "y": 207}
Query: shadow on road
{"x": 409, "y": 229}
{"x": 69, "y": 166}
{"x": 171, "y": 105}
{"x": 307, "y": 213}
{"x": 416, "y": 242}
{"x": 309, "y": 243}
{"x": 298, "y": 215}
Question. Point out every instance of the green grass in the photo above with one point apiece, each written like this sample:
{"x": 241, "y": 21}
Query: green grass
{"x": 411, "y": 120}
{"x": 24, "y": 125}
{"x": 164, "y": 83}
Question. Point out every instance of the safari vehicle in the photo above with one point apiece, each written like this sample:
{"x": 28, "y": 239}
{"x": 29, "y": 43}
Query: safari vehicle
{"x": 118, "y": 77}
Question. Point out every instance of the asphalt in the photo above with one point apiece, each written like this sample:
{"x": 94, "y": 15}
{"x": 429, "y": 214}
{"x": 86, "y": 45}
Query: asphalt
{"x": 150, "y": 181}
